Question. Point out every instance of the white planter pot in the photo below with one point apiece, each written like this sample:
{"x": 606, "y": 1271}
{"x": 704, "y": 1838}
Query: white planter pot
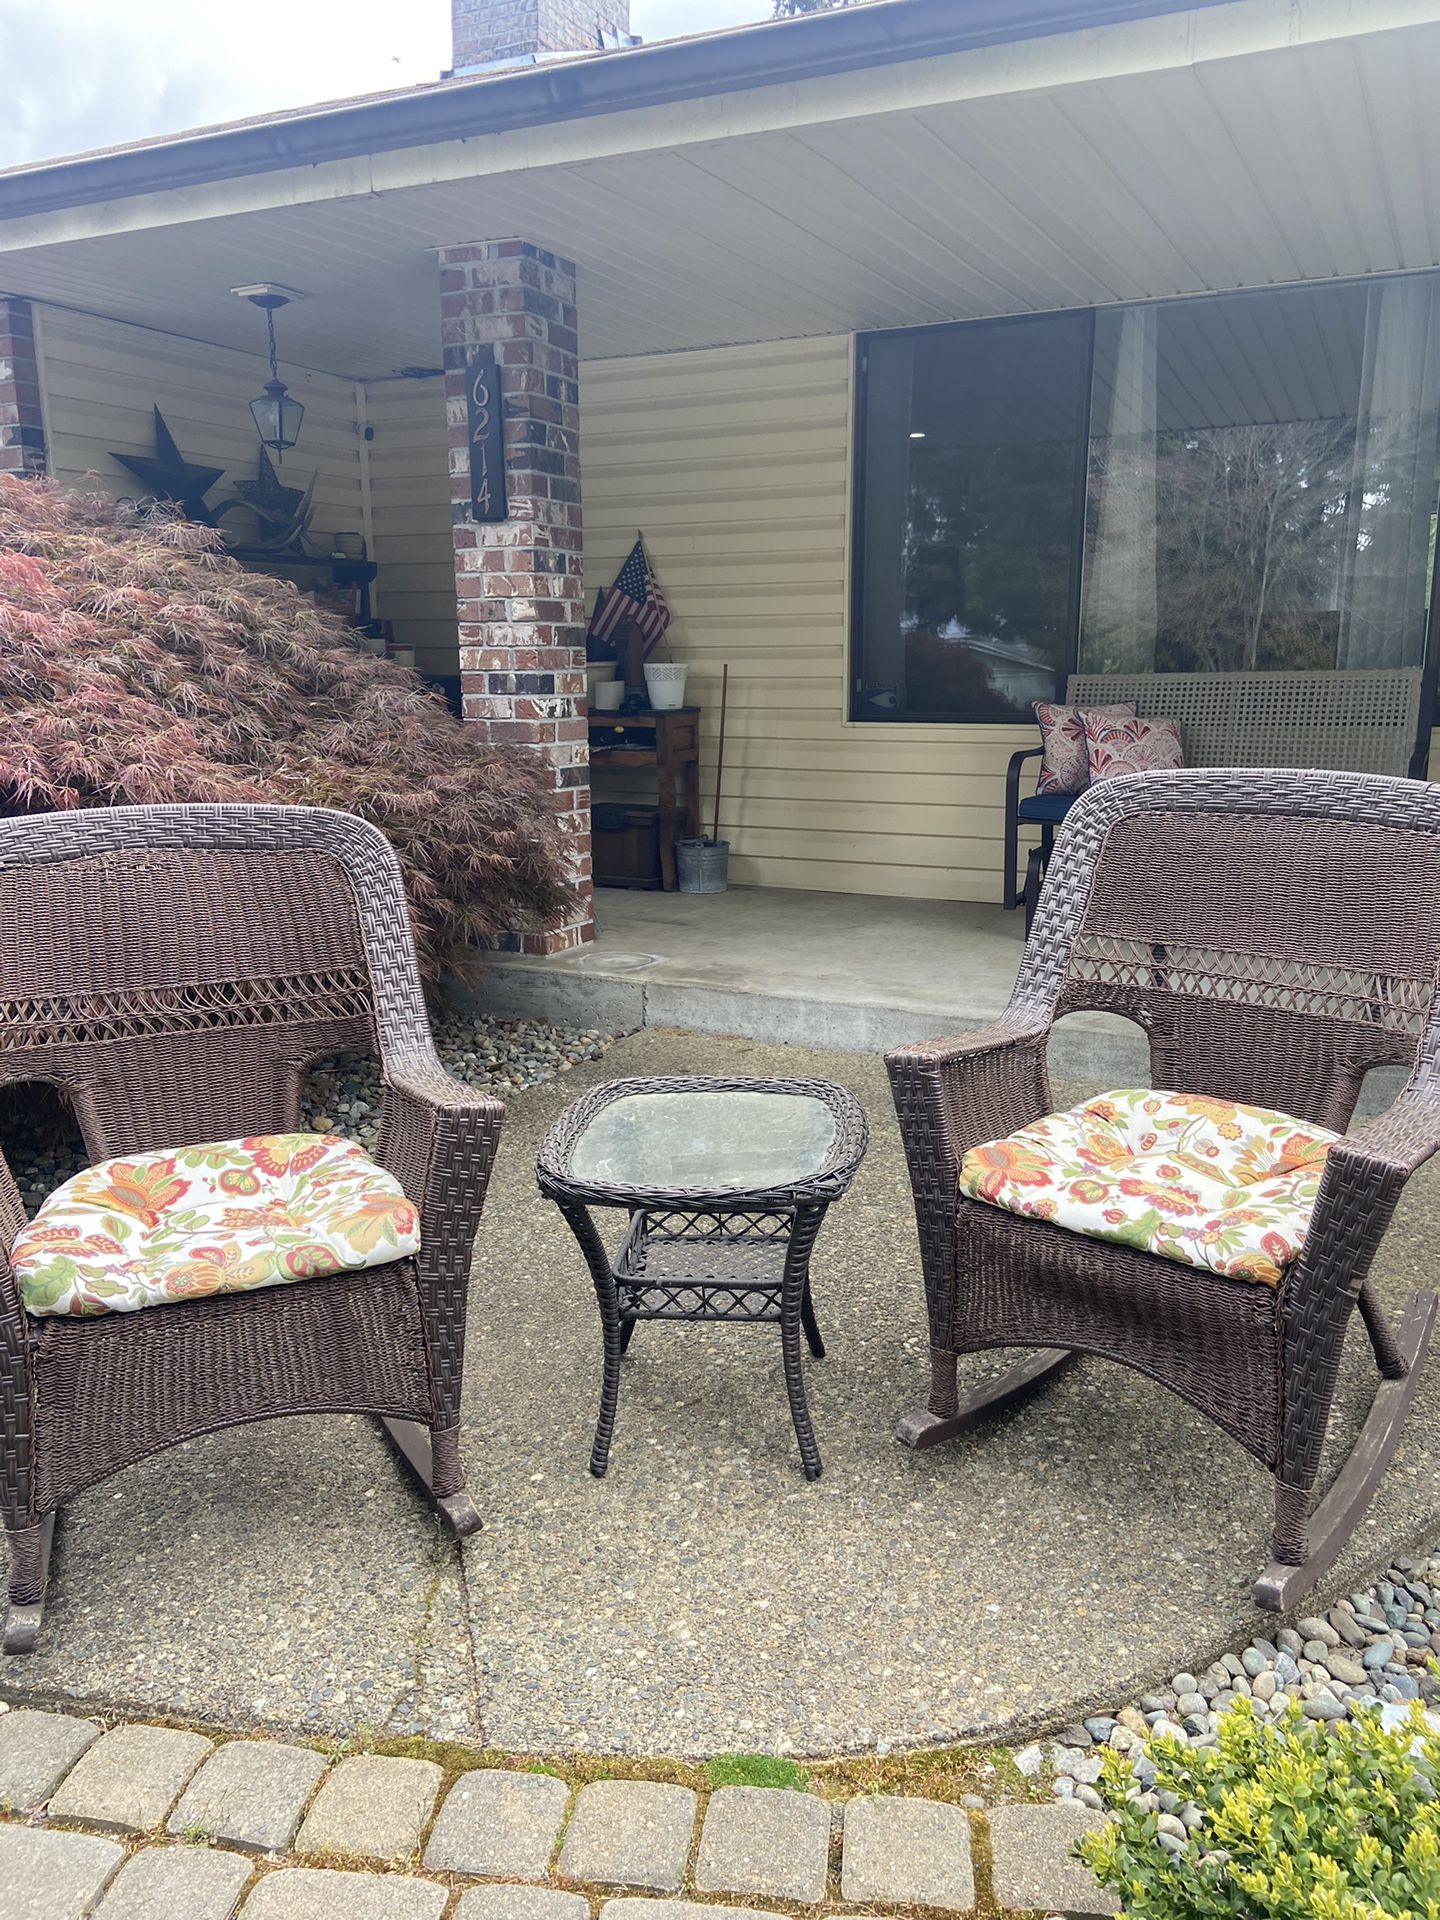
{"x": 606, "y": 695}
{"x": 665, "y": 683}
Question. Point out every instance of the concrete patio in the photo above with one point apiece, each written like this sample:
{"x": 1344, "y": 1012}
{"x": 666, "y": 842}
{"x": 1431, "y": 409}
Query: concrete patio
{"x": 857, "y": 972}
{"x": 703, "y": 1597}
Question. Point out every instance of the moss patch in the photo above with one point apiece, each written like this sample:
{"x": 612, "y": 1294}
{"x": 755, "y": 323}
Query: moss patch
{"x": 939, "y": 1773}
{"x": 754, "y": 1770}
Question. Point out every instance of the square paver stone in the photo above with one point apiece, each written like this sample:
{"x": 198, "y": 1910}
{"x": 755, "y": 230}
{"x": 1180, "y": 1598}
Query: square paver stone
{"x": 130, "y": 1779}
{"x": 629, "y": 1833}
{"x": 1033, "y": 1865}
{"x": 521, "y": 1903}
{"x": 177, "y": 1883}
{"x": 499, "y": 1825}
{"x": 766, "y": 1840}
{"x": 315, "y": 1893}
{"x": 37, "y": 1750}
{"x": 372, "y": 1808}
{"x": 52, "y": 1876}
{"x": 902, "y": 1852}
{"x": 249, "y": 1794}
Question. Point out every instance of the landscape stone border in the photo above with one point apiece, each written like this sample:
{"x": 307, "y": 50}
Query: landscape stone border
{"x": 141, "y": 1822}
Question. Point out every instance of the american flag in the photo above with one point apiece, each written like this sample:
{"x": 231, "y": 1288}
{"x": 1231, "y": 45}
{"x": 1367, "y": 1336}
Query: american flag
{"x": 635, "y": 596}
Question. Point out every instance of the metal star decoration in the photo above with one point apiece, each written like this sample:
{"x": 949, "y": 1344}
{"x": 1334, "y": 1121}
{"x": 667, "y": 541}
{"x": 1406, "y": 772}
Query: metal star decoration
{"x": 170, "y": 476}
{"x": 284, "y": 513}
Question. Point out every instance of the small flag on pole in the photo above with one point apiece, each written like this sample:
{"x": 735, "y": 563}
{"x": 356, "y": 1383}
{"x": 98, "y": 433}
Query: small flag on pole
{"x": 635, "y": 596}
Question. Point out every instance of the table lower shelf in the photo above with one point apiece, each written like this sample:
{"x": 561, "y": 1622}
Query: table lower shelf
{"x": 684, "y": 1267}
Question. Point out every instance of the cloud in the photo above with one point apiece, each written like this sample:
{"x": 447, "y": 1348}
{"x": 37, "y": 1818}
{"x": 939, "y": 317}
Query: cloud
{"x": 82, "y": 74}
{"x": 94, "y": 73}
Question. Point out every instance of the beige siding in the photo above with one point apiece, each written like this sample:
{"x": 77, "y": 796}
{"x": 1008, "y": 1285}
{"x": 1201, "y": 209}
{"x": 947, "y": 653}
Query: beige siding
{"x": 410, "y": 506}
{"x": 102, "y": 378}
{"x": 735, "y": 464}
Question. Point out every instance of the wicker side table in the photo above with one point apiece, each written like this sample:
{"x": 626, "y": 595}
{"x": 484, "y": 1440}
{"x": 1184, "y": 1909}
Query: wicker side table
{"x": 726, "y": 1183}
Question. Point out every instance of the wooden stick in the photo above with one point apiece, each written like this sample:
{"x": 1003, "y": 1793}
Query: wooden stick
{"x": 720, "y": 749}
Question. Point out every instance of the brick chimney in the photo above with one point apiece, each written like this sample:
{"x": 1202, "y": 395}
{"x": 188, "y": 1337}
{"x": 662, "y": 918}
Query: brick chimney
{"x": 513, "y": 33}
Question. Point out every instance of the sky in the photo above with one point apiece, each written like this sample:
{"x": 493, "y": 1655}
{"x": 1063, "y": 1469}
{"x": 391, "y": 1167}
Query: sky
{"x": 95, "y": 73}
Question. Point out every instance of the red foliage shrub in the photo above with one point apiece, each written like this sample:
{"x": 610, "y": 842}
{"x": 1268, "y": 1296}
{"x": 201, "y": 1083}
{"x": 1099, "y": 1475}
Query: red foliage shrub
{"x": 138, "y": 663}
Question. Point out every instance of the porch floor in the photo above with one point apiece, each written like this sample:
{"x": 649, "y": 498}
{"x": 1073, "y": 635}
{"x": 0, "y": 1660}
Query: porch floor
{"x": 856, "y": 972}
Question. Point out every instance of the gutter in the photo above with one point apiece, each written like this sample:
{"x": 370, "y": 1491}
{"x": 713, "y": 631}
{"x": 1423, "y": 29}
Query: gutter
{"x": 777, "y": 53}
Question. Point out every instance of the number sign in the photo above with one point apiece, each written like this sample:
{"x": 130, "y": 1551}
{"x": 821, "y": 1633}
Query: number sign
{"x": 487, "y": 436}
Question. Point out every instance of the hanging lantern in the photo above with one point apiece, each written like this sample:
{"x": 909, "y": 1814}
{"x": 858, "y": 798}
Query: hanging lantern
{"x": 277, "y": 416}
{"x": 276, "y": 413}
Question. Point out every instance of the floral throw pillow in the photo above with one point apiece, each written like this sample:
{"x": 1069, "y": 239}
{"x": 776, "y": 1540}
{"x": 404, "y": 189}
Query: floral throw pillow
{"x": 226, "y": 1217}
{"x": 1065, "y": 767}
{"x": 1114, "y": 746}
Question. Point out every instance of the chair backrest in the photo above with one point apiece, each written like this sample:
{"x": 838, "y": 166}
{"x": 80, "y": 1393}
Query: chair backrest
{"x": 1358, "y": 721}
{"x": 1275, "y": 933}
{"x": 173, "y": 970}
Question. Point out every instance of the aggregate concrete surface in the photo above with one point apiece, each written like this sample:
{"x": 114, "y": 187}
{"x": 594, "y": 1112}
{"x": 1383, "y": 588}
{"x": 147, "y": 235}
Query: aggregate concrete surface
{"x": 703, "y": 1597}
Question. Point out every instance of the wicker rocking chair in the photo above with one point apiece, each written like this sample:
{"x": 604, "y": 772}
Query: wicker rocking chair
{"x": 1275, "y": 934}
{"x": 173, "y": 970}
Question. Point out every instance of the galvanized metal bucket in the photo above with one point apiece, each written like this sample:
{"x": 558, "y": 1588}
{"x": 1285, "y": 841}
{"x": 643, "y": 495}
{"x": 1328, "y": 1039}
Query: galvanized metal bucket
{"x": 702, "y": 866}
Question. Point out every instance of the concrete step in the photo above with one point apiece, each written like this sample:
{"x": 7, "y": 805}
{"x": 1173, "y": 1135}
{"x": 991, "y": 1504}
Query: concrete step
{"x": 855, "y": 972}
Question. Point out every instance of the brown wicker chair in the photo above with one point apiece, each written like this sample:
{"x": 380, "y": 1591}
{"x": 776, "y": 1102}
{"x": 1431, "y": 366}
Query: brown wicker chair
{"x": 173, "y": 970}
{"x": 1275, "y": 934}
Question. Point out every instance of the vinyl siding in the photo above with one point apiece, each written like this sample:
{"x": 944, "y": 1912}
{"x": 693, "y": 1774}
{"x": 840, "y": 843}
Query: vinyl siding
{"x": 410, "y": 510}
{"x": 734, "y": 462}
{"x": 103, "y": 377}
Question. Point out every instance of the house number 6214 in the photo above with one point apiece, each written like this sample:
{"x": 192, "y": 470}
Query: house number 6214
{"x": 487, "y": 444}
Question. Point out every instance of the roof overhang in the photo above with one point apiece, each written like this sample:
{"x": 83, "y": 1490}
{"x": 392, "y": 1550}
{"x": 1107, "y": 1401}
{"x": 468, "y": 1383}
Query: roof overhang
{"x": 1234, "y": 143}
{"x": 626, "y": 80}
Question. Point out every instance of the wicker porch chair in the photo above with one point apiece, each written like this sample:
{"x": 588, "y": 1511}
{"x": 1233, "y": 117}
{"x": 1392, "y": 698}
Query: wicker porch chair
{"x": 1275, "y": 934}
{"x": 173, "y": 970}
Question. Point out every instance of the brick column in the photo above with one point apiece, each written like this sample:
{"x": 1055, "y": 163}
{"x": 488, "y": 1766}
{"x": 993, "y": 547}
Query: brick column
{"x": 520, "y": 596}
{"x": 22, "y": 425}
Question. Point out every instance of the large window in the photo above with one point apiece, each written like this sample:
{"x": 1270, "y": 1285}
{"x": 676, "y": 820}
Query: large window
{"x": 1208, "y": 485}
{"x": 971, "y": 483}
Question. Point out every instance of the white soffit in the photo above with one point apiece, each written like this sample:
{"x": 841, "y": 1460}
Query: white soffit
{"x": 1306, "y": 162}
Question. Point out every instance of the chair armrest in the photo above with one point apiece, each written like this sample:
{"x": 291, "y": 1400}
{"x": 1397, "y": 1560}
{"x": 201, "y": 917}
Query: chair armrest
{"x": 1012, "y": 773}
{"x": 13, "y": 1320}
{"x": 951, "y": 1095}
{"x": 17, "y": 1398}
{"x": 12, "y": 1219}
{"x": 1011, "y": 853}
{"x": 1398, "y": 1141}
{"x": 1365, "y": 1174}
{"x": 438, "y": 1137}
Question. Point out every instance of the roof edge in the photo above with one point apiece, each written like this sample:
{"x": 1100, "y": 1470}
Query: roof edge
{"x": 763, "y": 54}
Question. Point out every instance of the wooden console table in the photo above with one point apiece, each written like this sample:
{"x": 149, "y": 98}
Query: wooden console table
{"x": 672, "y": 748}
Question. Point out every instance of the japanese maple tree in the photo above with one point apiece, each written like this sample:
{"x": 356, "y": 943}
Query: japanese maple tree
{"x": 139, "y": 663}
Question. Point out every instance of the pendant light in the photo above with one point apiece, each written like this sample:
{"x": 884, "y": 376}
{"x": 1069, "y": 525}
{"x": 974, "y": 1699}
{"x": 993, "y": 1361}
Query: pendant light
{"x": 277, "y": 415}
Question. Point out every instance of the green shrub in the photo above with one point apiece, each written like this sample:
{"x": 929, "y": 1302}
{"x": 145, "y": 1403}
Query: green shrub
{"x": 139, "y": 663}
{"x": 1336, "y": 1822}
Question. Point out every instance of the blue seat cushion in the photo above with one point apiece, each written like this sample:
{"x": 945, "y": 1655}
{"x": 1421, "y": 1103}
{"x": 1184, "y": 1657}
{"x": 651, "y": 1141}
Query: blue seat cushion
{"x": 1046, "y": 808}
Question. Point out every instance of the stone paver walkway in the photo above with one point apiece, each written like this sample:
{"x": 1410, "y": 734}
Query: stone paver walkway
{"x": 155, "y": 1823}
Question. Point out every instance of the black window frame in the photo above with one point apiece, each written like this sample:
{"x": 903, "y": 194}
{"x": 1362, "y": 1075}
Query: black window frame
{"x": 1429, "y": 715}
{"x": 856, "y": 596}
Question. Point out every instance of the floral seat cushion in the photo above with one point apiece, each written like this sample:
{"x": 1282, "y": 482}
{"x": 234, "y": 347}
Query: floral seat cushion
{"x": 1203, "y": 1181}
{"x": 226, "y": 1217}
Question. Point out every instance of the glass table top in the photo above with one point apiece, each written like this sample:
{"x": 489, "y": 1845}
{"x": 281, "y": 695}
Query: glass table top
{"x": 706, "y": 1141}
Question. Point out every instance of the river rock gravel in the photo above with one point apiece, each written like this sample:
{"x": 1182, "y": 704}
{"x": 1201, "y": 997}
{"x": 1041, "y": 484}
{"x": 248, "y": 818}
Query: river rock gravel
{"x": 342, "y": 1095}
{"x": 1373, "y": 1648}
